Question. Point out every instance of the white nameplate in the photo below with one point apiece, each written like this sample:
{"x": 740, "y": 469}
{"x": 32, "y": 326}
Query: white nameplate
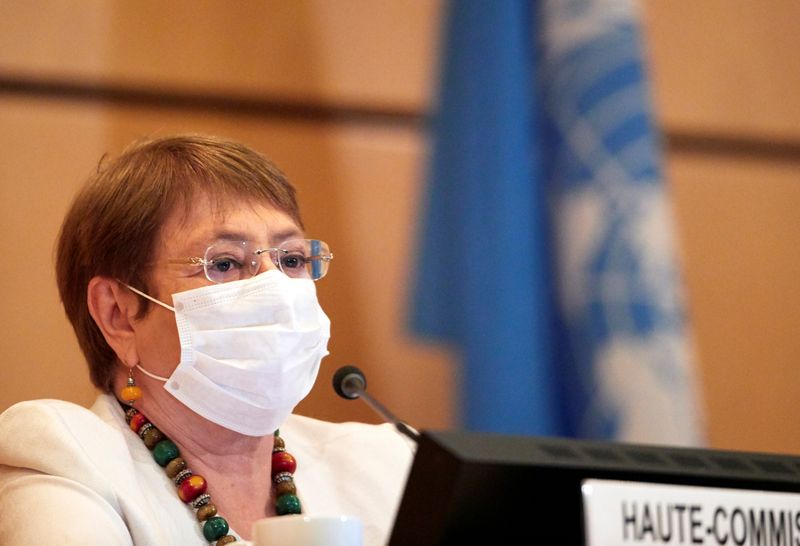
{"x": 620, "y": 513}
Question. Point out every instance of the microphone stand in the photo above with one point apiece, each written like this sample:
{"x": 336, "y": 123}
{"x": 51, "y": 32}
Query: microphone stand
{"x": 350, "y": 383}
{"x": 387, "y": 416}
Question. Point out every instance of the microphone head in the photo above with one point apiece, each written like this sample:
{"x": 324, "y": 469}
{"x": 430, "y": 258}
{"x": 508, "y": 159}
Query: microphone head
{"x": 349, "y": 382}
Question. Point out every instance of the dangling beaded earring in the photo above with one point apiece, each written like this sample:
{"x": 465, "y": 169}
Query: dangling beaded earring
{"x": 130, "y": 393}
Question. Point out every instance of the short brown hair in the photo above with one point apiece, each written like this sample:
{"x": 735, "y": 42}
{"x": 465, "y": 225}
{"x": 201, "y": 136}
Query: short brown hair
{"x": 113, "y": 224}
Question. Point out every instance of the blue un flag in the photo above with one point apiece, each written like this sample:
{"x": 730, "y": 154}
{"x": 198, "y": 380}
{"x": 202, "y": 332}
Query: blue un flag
{"x": 547, "y": 236}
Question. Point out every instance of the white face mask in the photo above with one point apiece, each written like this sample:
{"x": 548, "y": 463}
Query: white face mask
{"x": 250, "y": 350}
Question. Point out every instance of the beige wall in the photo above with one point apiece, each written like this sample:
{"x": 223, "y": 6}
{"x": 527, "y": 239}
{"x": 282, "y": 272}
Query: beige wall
{"x": 721, "y": 69}
{"x": 726, "y": 75}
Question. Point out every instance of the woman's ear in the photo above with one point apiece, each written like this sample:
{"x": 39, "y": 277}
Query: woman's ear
{"x": 113, "y": 309}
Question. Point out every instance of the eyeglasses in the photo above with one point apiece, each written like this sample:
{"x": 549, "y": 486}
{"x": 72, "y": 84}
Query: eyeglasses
{"x": 227, "y": 261}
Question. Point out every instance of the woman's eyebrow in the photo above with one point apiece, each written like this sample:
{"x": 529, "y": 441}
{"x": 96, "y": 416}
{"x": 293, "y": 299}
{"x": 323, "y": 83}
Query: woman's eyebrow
{"x": 289, "y": 233}
{"x": 229, "y": 235}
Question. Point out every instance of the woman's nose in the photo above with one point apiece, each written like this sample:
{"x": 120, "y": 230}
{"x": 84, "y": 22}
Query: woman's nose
{"x": 266, "y": 263}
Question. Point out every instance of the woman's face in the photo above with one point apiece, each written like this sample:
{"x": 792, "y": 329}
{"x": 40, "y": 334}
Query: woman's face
{"x": 188, "y": 236}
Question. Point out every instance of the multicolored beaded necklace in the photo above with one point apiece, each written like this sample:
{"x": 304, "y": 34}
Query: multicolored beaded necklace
{"x": 192, "y": 487}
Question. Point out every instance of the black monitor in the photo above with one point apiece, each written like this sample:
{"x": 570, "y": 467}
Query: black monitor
{"x": 470, "y": 488}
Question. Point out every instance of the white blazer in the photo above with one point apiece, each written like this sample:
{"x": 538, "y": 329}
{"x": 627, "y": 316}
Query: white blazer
{"x": 73, "y": 476}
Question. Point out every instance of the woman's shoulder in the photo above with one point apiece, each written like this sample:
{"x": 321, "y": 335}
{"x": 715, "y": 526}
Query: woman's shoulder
{"x": 327, "y": 440}
{"x": 350, "y": 468}
{"x": 51, "y": 435}
{"x": 37, "y": 416}
{"x": 43, "y": 411}
{"x": 325, "y": 432}
{"x": 63, "y": 465}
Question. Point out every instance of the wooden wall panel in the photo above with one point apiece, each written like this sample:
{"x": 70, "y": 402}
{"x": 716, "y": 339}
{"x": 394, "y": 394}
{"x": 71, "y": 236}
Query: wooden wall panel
{"x": 740, "y": 229}
{"x": 356, "y": 52}
{"x": 728, "y": 67}
{"x": 45, "y": 149}
{"x": 725, "y": 75}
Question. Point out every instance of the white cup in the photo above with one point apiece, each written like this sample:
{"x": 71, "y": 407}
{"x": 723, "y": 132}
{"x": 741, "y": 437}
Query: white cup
{"x": 300, "y": 530}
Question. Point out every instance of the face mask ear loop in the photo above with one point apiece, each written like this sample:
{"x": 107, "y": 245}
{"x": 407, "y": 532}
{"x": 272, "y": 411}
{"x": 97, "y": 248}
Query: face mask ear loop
{"x": 161, "y": 303}
{"x": 152, "y": 375}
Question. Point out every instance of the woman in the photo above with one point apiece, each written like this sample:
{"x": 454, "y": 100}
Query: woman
{"x": 187, "y": 277}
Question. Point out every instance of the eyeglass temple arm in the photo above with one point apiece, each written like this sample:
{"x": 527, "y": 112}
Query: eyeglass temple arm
{"x": 184, "y": 261}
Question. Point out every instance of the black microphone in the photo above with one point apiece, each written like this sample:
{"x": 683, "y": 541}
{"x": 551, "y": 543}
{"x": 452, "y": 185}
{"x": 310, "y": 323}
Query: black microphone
{"x": 350, "y": 383}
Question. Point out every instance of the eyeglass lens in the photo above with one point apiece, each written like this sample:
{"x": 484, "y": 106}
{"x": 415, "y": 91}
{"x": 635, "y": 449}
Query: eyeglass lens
{"x": 227, "y": 261}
